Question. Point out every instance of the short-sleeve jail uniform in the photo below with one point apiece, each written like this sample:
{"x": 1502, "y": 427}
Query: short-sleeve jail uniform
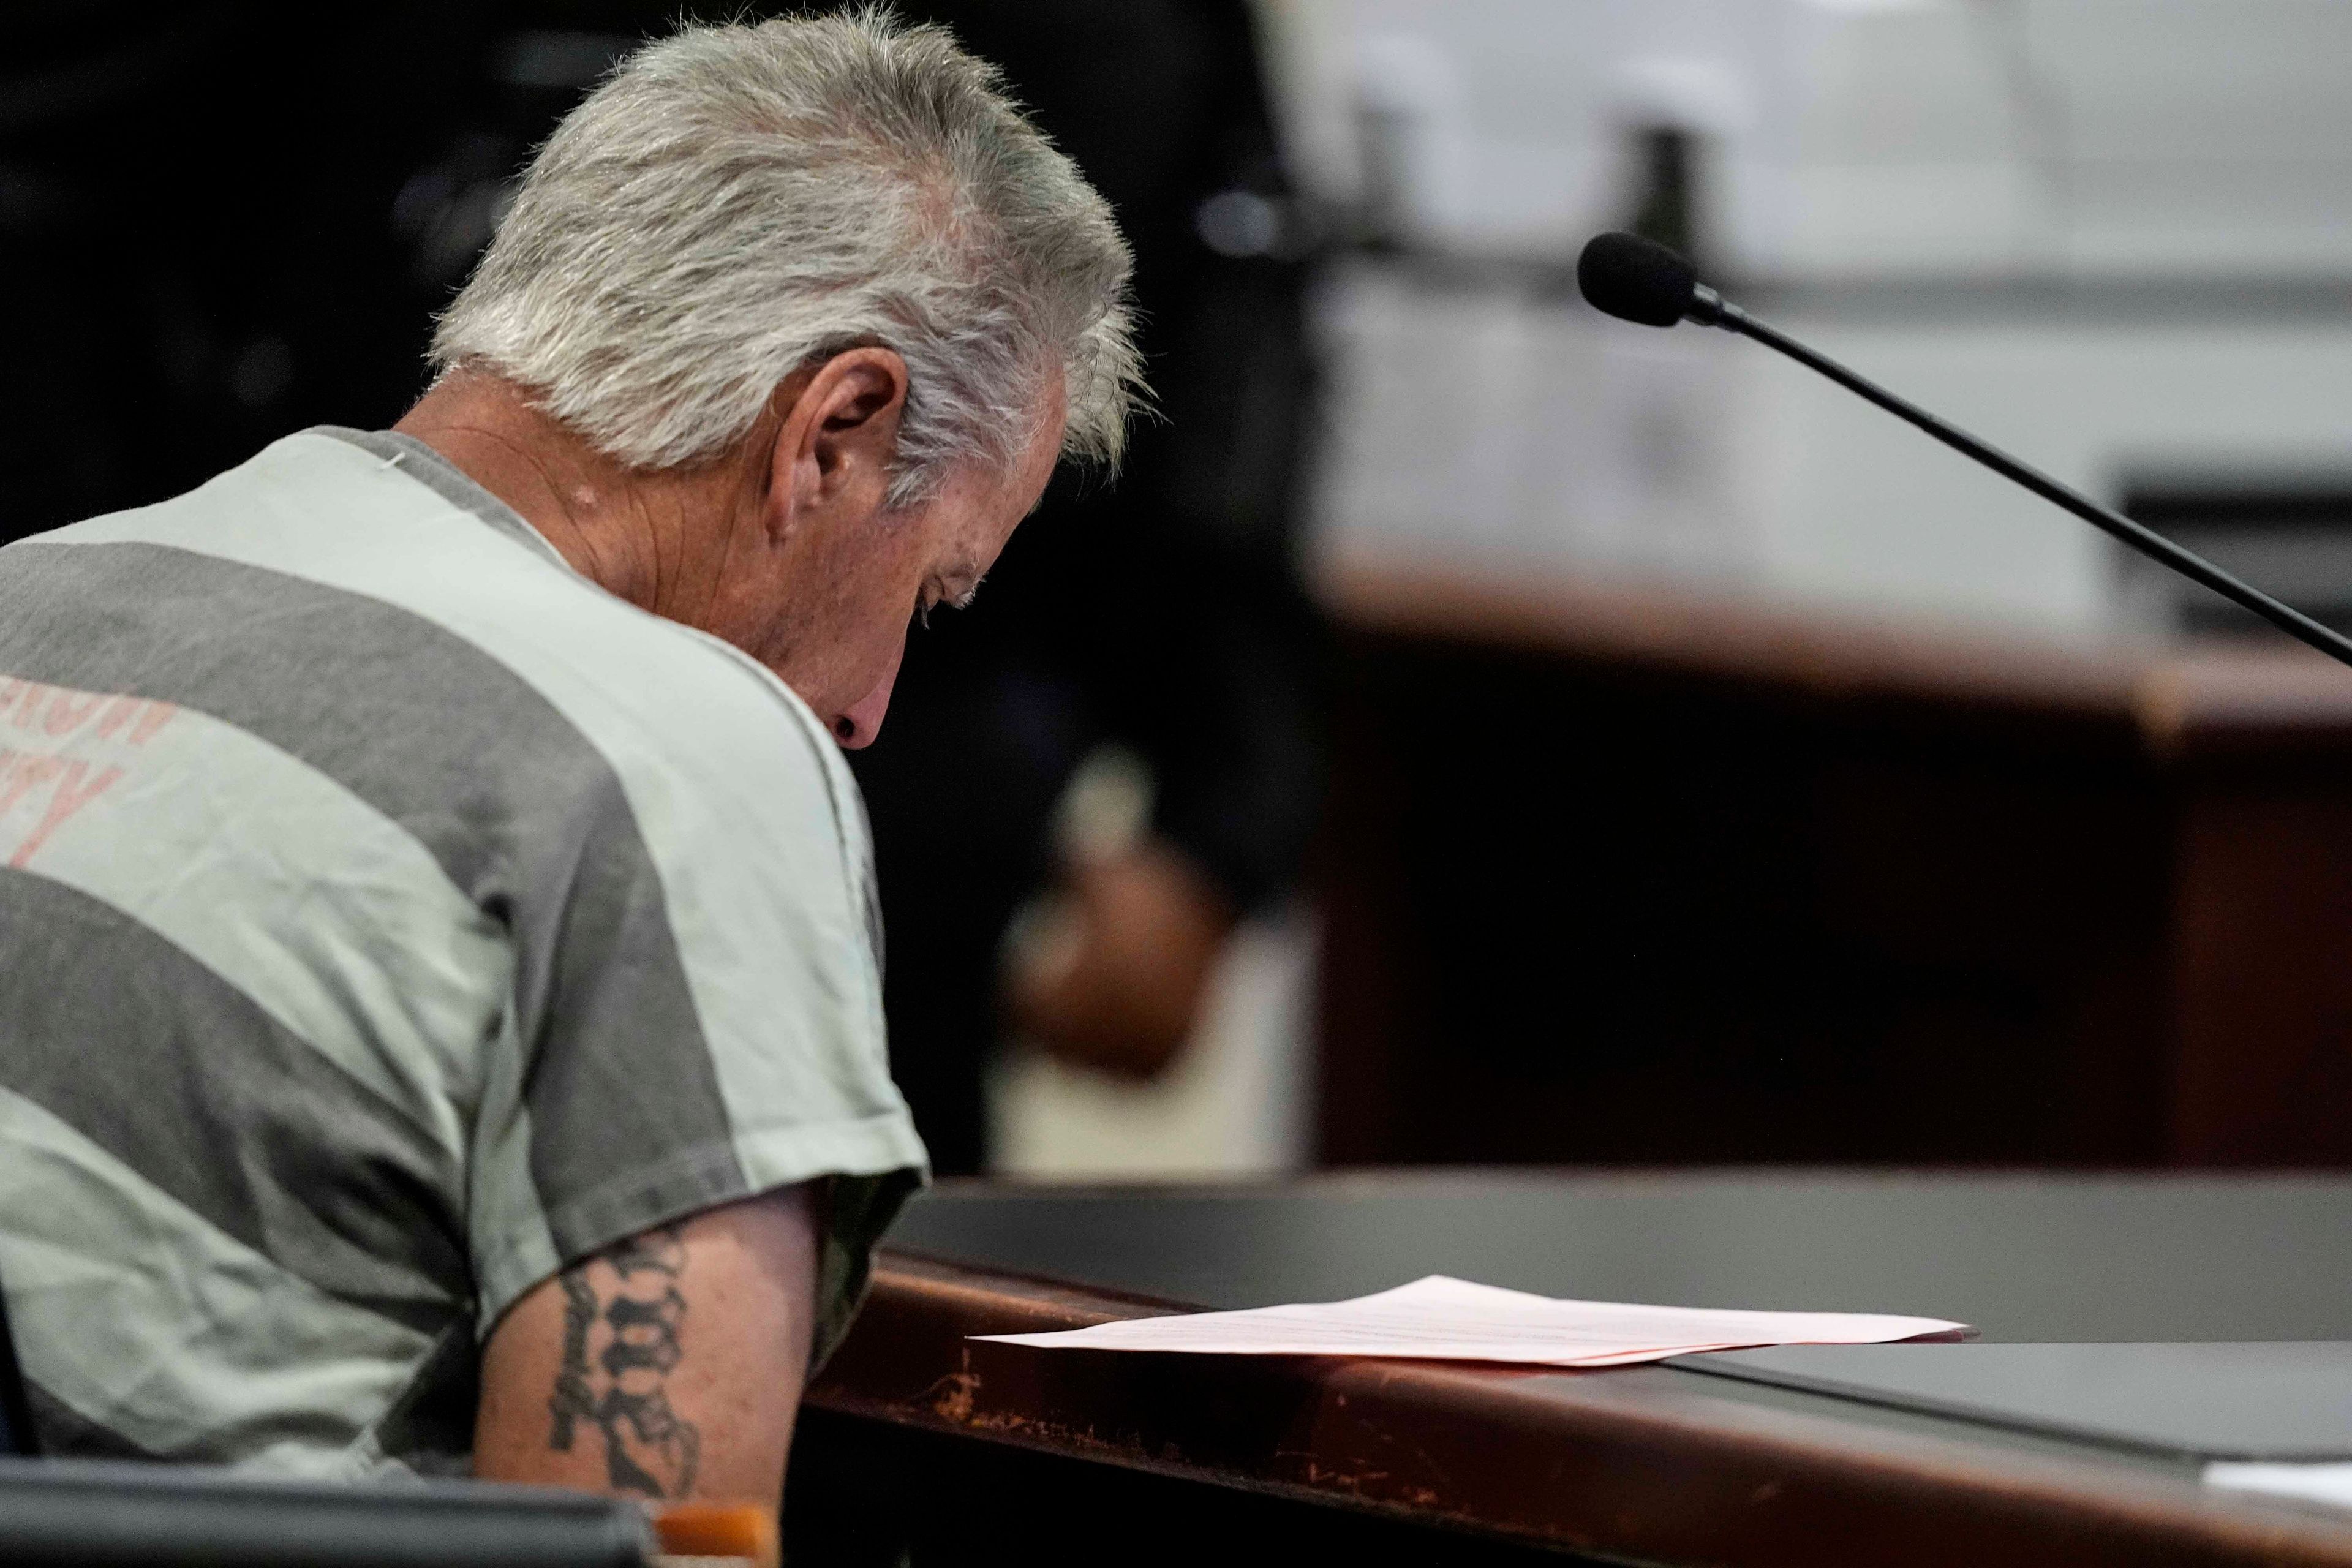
{"x": 390, "y": 916}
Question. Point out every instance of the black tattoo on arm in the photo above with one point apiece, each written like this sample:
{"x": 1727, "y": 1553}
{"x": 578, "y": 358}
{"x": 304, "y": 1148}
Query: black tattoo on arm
{"x": 623, "y": 1317}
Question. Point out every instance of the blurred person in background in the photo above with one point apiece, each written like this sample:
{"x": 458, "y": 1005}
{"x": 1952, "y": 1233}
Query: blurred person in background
{"x": 1163, "y": 617}
{"x": 225, "y": 227}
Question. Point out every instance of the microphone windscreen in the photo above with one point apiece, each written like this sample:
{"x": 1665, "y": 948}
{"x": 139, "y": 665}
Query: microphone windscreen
{"x": 1636, "y": 279}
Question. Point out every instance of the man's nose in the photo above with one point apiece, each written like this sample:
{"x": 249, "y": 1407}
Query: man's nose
{"x": 857, "y": 727}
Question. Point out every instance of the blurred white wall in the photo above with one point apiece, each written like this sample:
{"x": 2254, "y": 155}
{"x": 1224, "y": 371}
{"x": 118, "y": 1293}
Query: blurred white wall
{"x": 1852, "y": 507}
{"x": 1860, "y": 137}
{"x": 1503, "y": 427}
{"x": 2132, "y": 173}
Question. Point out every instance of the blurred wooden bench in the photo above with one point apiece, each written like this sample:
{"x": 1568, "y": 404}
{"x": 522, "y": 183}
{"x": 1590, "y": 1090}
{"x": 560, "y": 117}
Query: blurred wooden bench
{"x": 1617, "y": 873}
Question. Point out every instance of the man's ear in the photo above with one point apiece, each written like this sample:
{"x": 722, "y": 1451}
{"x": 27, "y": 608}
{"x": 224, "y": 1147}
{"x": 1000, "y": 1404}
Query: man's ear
{"x": 838, "y": 439}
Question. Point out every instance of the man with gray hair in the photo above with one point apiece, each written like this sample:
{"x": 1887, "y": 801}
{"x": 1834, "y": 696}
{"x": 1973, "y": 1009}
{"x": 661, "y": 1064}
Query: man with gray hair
{"x": 439, "y": 1004}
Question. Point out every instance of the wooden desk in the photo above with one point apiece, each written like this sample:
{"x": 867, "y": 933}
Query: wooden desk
{"x": 916, "y": 1439}
{"x": 1623, "y": 875}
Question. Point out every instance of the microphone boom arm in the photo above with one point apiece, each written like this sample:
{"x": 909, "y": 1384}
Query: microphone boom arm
{"x": 1710, "y": 308}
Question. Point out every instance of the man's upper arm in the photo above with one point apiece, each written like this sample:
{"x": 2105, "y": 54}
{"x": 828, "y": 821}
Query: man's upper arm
{"x": 669, "y": 1365}
{"x": 724, "y": 1038}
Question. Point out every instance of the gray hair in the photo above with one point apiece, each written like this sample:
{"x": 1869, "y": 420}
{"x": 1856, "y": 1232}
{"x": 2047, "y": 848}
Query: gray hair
{"x": 735, "y": 202}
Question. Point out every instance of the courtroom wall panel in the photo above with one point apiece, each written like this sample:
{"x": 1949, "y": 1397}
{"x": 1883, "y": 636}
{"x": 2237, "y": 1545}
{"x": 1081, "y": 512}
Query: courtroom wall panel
{"x": 1615, "y": 875}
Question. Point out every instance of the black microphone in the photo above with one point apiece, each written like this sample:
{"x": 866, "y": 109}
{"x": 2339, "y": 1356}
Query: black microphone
{"x": 1638, "y": 281}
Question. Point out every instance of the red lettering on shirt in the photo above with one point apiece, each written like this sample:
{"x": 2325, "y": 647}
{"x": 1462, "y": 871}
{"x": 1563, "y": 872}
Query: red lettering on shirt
{"x": 25, "y": 773}
{"x": 24, "y": 697}
{"x": 117, "y": 713}
{"x": 68, "y": 710}
{"x": 49, "y": 789}
{"x": 154, "y": 718}
{"x": 70, "y": 795}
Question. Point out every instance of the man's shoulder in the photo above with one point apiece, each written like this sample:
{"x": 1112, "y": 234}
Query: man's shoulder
{"x": 352, "y": 563}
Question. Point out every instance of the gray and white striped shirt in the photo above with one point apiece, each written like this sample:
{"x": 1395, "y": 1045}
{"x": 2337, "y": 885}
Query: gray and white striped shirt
{"x": 388, "y": 917}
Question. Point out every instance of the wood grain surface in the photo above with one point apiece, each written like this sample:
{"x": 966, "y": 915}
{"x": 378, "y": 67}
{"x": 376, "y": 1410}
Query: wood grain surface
{"x": 1649, "y": 1464}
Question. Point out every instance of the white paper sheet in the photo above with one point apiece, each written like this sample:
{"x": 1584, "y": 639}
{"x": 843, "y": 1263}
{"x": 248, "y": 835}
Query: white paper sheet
{"x": 2327, "y": 1483}
{"x": 1452, "y": 1320}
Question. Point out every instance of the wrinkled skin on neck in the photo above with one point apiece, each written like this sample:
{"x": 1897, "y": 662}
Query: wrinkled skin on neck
{"x": 784, "y": 546}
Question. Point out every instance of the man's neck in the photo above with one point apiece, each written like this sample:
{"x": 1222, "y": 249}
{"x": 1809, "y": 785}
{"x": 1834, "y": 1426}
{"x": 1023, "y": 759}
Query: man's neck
{"x": 656, "y": 540}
